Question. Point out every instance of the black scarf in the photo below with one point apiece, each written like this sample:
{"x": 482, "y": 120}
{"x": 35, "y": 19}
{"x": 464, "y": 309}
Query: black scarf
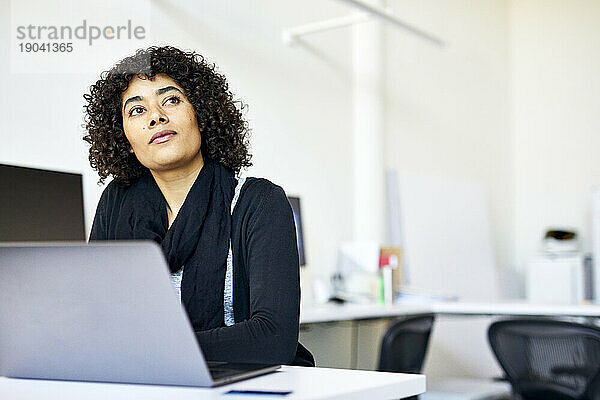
{"x": 198, "y": 238}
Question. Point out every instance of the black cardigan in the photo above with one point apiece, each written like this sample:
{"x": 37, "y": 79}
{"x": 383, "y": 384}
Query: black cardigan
{"x": 266, "y": 288}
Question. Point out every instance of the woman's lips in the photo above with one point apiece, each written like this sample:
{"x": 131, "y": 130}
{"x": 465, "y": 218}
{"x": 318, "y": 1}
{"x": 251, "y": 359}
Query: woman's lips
{"x": 162, "y": 136}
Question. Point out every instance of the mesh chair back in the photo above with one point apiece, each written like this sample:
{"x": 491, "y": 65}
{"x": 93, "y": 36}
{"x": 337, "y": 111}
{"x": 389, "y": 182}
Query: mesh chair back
{"x": 548, "y": 359}
{"x": 404, "y": 345}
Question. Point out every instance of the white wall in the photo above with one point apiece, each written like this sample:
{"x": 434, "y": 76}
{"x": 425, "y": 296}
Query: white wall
{"x": 447, "y": 116}
{"x": 554, "y": 64}
{"x": 447, "y": 109}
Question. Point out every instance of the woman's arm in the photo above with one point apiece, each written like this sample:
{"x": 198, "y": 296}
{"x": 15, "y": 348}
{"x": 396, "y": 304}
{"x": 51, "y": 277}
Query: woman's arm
{"x": 270, "y": 335}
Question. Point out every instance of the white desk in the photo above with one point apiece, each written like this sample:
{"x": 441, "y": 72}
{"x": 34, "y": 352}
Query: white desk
{"x": 349, "y": 335}
{"x": 345, "y": 312}
{"x": 305, "y": 383}
{"x": 516, "y": 309}
{"x": 350, "y": 311}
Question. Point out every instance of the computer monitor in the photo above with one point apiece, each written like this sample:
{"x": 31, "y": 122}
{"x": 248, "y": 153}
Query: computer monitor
{"x": 40, "y": 205}
{"x": 295, "y": 203}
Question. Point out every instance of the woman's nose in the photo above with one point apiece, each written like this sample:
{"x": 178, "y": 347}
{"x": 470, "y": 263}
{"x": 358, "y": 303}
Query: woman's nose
{"x": 157, "y": 117}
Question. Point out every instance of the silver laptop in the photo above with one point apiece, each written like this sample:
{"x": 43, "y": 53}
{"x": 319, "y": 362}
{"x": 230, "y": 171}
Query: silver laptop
{"x": 100, "y": 312}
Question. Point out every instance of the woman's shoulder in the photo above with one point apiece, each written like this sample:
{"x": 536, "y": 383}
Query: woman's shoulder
{"x": 261, "y": 190}
{"x": 113, "y": 195}
{"x": 113, "y": 190}
{"x": 259, "y": 194}
{"x": 108, "y": 206}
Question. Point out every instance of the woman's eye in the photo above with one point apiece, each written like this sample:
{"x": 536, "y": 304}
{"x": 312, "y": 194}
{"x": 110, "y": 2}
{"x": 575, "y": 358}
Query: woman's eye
{"x": 135, "y": 111}
{"x": 172, "y": 100}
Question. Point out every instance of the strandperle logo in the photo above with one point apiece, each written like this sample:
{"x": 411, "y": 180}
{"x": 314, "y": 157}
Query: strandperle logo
{"x": 84, "y": 31}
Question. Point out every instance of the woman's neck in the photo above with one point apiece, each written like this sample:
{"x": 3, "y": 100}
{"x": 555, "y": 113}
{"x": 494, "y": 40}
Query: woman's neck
{"x": 175, "y": 186}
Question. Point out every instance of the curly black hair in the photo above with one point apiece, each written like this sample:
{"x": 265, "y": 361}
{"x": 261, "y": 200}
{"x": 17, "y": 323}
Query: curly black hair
{"x": 224, "y": 132}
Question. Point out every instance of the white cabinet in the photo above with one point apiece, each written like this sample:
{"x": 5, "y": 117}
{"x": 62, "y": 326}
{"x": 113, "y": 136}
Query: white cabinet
{"x": 556, "y": 279}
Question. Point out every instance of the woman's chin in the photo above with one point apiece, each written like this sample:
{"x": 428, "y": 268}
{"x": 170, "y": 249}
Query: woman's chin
{"x": 169, "y": 164}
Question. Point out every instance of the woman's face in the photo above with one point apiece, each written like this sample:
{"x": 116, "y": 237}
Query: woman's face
{"x": 160, "y": 124}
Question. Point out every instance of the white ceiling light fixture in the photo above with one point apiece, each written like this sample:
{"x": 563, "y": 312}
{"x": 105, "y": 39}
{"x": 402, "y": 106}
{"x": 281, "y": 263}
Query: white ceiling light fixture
{"x": 292, "y": 35}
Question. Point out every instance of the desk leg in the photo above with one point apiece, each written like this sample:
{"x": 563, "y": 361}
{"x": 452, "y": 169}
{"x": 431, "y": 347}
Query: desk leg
{"x": 354, "y": 345}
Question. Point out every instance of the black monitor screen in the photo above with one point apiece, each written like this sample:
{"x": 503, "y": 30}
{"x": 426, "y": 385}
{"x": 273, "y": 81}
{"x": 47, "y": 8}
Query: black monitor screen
{"x": 295, "y": 203}
{"x": 40, "y": 205}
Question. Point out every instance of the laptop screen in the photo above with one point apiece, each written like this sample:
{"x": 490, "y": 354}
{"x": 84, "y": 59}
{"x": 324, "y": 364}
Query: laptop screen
{"x": 40, "y": 205}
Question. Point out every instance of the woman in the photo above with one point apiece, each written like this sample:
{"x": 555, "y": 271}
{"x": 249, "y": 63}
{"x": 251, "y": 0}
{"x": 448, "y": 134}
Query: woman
{"x": 164, "y": 125}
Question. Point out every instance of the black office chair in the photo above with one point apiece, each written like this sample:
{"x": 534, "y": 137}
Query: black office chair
{"x": 404, "y": 344}
{"x": 548, "y": 359}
